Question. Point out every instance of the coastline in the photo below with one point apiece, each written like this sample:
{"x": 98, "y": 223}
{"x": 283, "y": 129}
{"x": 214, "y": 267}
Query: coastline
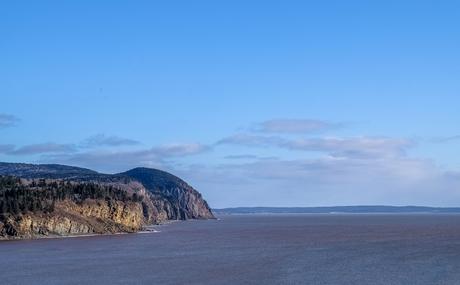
{"x": 150, "y": 229}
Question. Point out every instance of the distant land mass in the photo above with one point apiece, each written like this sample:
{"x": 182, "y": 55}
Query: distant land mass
{"x": 337, "y": 209}
{"x": 39, "y": 200}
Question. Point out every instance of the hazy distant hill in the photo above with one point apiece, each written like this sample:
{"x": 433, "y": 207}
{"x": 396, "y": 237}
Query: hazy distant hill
{"x": 338, "y": 209}
{"x": 51, "y": 199}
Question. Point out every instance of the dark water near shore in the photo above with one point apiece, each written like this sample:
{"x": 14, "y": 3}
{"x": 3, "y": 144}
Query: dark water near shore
{"x": 251, "y": 249}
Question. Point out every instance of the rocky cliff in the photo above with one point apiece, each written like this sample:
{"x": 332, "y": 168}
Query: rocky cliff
{"x": 92, "y": 217}
{"x": 173, "y": 196}
{"x": 57, "y": 200}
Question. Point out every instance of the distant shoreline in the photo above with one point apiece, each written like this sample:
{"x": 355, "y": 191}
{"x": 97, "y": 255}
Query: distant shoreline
{"x": 340, "y": 210}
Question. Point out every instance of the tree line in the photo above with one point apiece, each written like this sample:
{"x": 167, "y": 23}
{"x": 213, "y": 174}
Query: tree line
{"x": 18, "y": 197}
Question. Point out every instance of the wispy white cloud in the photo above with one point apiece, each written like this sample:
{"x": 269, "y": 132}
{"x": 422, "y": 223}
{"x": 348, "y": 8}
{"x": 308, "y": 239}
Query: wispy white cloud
{"x": 43, "y": 148}
{"x": 180, "y": 149}
{"x": 248, "y": 156}
{"x": 241, "y": 156}
{"x": 363, "y": 147}
{"x": 5, "y": 148}
{"x": 339, "y": 147}
{"x": 252, "y": 140}
{"x": 295, "y": 126}
{"x": 446, "y": 139}
{"x": 7, "y": 120}
{"x": 102, "y": 140}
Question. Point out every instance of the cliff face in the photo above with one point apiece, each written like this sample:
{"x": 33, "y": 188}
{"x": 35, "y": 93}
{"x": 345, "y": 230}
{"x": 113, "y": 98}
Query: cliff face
{"x": 173, "y": 197}
{"x": 90, "y": 203}
{"x": 69, "y": 218}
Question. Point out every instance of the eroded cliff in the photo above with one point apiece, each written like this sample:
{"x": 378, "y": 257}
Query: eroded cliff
{"x": 69, "y": 218}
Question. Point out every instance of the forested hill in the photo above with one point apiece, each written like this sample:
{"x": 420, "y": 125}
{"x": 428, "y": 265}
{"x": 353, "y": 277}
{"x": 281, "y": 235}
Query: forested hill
{"x": 40, "y": 200}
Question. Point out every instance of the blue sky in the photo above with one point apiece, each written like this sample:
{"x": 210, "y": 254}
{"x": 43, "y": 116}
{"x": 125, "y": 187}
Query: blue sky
{"x": 267, "y": 103}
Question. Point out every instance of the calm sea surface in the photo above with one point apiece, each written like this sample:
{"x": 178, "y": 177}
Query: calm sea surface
{"x": 250, "y": 249}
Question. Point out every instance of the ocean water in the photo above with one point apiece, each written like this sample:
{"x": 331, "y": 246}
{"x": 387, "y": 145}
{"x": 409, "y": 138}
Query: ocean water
{"x": 251, "y": 249}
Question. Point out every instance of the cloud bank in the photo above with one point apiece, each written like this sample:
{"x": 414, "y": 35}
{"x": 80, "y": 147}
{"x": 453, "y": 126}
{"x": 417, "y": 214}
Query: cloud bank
{"x": 241, "y": 169}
